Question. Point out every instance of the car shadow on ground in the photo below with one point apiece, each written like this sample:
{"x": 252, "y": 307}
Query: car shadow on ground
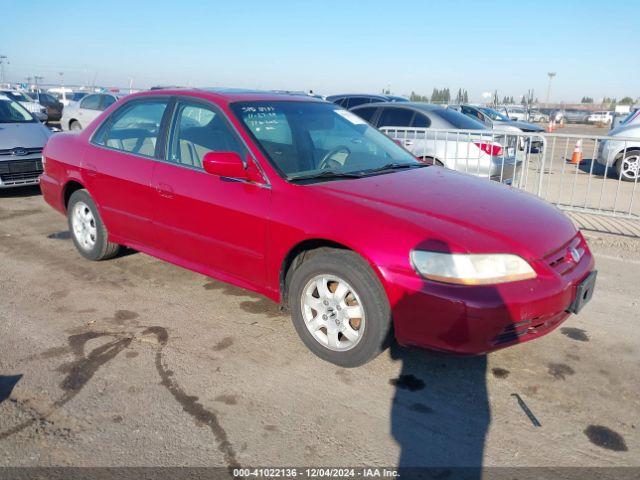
{"x": 7, "y": 384}
{"x": 28, "y": 191}
{"x": 440, "y": 412}
{"x": 597, "y": 169}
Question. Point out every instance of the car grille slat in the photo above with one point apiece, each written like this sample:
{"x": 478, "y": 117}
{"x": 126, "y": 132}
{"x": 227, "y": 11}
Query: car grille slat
{"x": 20, "y": 172}
{"x": 561, "y": 261}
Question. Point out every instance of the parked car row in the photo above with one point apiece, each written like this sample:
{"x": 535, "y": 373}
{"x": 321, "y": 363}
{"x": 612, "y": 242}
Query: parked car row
{"x": 415, "y": 125}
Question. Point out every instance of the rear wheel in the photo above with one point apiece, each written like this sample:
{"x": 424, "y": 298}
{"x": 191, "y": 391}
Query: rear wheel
{"x": 87, "y": 230}
{"x": 75, "y": 125}
{"x": 628, "y": 166}
{"x": 339, "y": 308}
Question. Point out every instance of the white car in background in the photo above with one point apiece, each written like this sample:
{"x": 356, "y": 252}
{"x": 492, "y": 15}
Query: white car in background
{"x": 517, "y": 114}
{"x": 78, "y": 115}
{"x": 33, "y": 107}
{"x": 600, "y": 117}
{"x": 623, "y": 155}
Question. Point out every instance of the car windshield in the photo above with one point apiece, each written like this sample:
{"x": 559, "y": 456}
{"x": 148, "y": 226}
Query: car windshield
{"x": 319, "y": 140}
{"x": 13, "y": 112}
{"x": 495, "y": 115}
{"x": 18, "y": 96}
{"x": 458, "y": 120}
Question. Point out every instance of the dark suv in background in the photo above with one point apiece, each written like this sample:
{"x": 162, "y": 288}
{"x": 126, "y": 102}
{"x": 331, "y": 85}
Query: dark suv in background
{"x": 52, "y": 104}
{"x": 354, "y": 99}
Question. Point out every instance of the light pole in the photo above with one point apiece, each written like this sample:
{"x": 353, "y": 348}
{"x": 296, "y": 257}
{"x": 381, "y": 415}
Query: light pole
{"x": 550, "y": 75}
{"x": 36, "y": 78}
{"x": 61, "y": 79}
{"x": 3, "y": 60}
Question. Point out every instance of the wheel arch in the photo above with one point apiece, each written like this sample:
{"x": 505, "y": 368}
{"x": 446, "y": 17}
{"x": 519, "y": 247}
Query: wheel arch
{"x": 70, "y": 187}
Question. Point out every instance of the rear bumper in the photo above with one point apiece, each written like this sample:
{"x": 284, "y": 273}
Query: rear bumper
{"x": 476, "y": 320}
{"x": 52, "y": 192}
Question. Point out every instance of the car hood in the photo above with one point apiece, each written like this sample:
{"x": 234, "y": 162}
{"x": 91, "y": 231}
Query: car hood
{"x": 463, "y": 209}
{"x": 627, "y": 130}
{"x": 524, "y": 126}
{"x": 27, "y": 135}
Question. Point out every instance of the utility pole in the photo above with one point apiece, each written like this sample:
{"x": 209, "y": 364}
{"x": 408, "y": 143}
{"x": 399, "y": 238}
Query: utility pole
{"x": 3, "y": 60}
{"x": 36, "y": 78}
{"x": 551, "y": 75}
{"x": 61, "y": 79}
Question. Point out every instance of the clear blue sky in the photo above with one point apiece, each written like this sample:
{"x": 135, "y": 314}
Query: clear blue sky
{"x": 332, "y": 46}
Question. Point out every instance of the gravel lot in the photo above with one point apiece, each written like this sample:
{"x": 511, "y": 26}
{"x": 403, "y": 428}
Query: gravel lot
{"x": 136, "y": 362}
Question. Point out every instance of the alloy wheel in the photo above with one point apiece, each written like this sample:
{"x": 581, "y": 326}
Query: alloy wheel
{"x": 333, "y": 312}
{"x": 84, "y": 225}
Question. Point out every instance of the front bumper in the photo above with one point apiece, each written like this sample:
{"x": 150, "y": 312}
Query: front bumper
{"x": 476, "y": 320}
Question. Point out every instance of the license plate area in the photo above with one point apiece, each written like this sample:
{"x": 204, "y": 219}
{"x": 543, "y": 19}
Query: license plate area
{"x": 584, "y": 292}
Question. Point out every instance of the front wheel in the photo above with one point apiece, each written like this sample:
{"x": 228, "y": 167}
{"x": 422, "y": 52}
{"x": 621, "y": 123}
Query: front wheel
{"x": 628, "y": 166}
{"x": 87, "y": 230}
{"x": 339, "y": 308}
{"x": 75, "y": 125}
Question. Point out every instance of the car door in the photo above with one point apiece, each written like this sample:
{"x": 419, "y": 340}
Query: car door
{"x": 214, "y": 225}
{"x": 118, "y": 167}
{"x": 88, "y": 109}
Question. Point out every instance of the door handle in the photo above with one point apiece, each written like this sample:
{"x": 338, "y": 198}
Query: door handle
{"x": 408, "y": 142}
{"x": 91, "y": 170}
{"x": 165, "y": 190}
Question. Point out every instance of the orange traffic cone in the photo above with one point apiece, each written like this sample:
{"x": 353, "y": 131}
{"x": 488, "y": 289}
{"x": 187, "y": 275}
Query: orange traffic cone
{"x": 576, "y": 158}
{"x": 550, "y": 126}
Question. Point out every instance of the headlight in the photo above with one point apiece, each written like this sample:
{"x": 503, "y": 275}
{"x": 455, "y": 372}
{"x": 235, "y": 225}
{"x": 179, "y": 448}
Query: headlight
{"x": 471, "y": 269}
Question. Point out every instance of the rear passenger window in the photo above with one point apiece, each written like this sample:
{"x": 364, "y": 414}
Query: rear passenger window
{"x": 420, "y": 121}
{"x": 107, "y": 101}
{"x": 395, "y": 117}
{"x": 366, "y": 113}
{"x": 134, "y": 128}
{"x": 90, "y": 102}
{"x": 197, "y": 130}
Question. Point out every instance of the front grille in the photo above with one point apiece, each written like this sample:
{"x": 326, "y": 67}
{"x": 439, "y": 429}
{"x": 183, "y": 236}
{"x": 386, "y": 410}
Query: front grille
{"x": 561, "y": 261}
{"x": 21, "y": 166}
{"x": 28, "y": 151}
{"x": 20, "y": 172}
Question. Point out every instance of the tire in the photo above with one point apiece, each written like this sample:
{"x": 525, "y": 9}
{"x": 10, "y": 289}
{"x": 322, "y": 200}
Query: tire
{"x": 87, "y": 230}
{"x": 75, "y": 125}
{"x": 431, "y": 161}
{"x": 372, "y": 322}
{"x": 628, "y": 166}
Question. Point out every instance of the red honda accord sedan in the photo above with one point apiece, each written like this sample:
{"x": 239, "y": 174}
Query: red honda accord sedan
{"x": 305, "y": 203}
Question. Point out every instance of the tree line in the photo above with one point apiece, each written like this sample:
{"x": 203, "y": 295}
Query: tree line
{"x": 441, "y": 96}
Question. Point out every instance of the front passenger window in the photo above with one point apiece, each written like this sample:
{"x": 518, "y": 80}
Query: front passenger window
{"x": 135, "y": 127}
{"x": 197, "y": 131}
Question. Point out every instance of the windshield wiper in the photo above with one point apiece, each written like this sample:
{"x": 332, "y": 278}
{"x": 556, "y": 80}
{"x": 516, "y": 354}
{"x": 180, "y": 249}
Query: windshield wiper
{"x": 395, "y": 166}
{"x": 328, "y": 174}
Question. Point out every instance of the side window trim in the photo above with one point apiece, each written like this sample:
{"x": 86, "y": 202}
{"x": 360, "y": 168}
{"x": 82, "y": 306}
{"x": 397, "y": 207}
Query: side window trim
{"x": 107, "y": 123}
{"x": 173, "y": 121}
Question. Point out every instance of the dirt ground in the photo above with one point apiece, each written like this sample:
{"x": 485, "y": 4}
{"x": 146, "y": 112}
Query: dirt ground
{"x": 136, "y": 362}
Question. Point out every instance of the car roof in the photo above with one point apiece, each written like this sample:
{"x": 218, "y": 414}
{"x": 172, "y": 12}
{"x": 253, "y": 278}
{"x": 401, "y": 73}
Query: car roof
{"x": 414, "y": 105}
{"x": 229, "y": 95}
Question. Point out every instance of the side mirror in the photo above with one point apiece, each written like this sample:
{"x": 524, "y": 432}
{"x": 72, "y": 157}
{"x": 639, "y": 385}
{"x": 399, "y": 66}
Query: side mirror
{"x": 225, "y": 164}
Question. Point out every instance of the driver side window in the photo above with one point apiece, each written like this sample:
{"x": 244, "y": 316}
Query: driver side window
{"x": 198, "y": 130}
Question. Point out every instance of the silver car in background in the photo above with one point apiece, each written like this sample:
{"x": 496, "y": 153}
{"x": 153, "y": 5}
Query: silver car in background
{"x": 78, "y": 115}
{"x": 22, "y": 138}
{"x": 466, "y": 146}
{"x": 623, "y": 155}
{"x": 34, "y": 108}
